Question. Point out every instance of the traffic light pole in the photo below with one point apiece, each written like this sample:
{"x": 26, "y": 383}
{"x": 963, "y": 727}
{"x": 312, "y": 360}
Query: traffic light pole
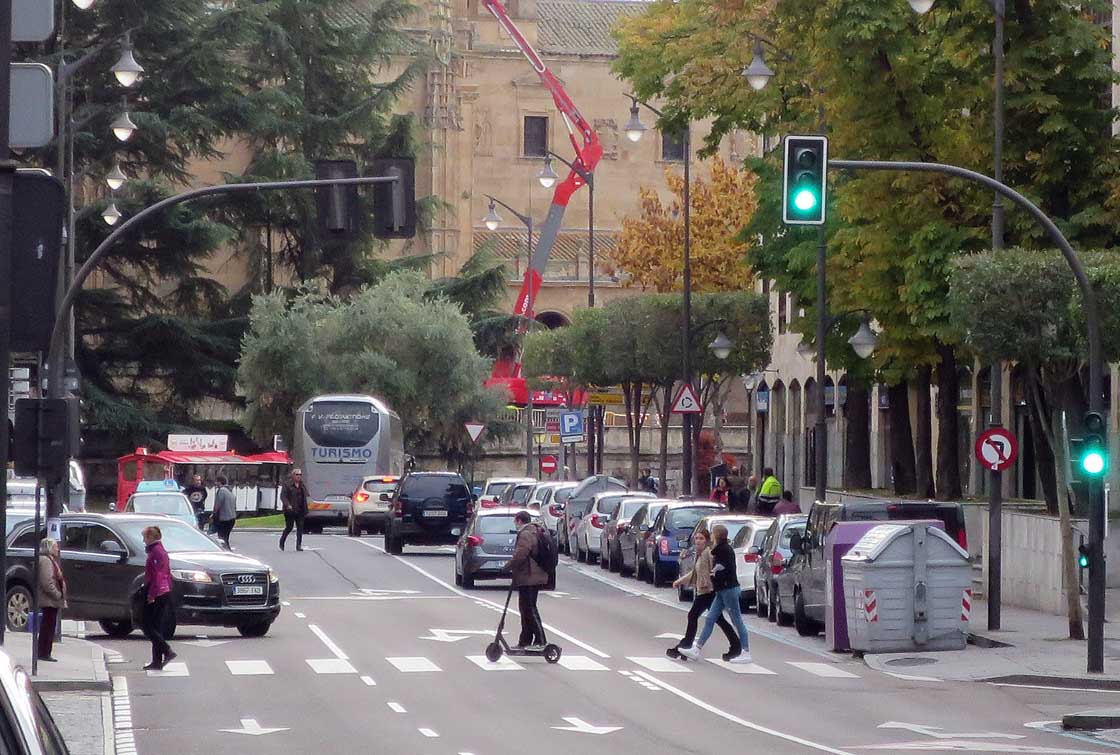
{"x": 1096, "y": 364}
{"x": 7, "y": 182}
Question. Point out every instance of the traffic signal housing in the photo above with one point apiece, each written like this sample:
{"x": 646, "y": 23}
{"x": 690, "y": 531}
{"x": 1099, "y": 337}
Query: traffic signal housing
{"x": 1094, "y": 449}
{"x": 1083, "y": 556}
{"x": 804, "y": 180}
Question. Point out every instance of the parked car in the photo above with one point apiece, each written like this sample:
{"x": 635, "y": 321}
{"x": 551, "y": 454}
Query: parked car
{"x": 579, "y": 501}
{"x": 631, "y": 539}
{"x": 517, "y": 494}
{"x": 667, "y": 535}
{"x": 687, "y": 557}
{"x": 494, "y": 487}
{"x": 369, "y": 505}
{"x": 772, "y": 579}
{"x": 590, "y": 527}
{"x": 428, "y": 508}
{"x": 553, "y": 501}
{"x": 808, "y": 563}
{"x": 28, "y": 726}
{"x": 747, "y": 545}
{"x": 486, "y": 546}
{"x": 610, "y": 551}
{"x": 103, "y": 561}
{"x": 175, "y": 505}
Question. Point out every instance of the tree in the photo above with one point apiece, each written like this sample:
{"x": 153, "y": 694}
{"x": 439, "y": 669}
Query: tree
{"x": 648, "y": 253}
{"x": 391, "y": 340}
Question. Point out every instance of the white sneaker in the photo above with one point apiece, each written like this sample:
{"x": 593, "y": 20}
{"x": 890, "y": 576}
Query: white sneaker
{"x": 693, "y": 652}
{"x": 744, "y": 657}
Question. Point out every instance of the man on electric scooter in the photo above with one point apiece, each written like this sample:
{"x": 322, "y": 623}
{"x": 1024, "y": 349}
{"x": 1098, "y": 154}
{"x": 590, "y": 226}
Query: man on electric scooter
{"x": 528, "y": 577}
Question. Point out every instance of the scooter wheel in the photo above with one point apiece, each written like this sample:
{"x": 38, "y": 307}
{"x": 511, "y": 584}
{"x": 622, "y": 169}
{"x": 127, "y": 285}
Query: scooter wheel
{"x": 494, "y": 652}
{"x": 552, "y": 653}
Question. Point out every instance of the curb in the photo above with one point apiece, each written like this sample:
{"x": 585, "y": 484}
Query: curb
{"x": 72, "y": 685}
{"x": 1071, "y": 682}
{"x": 1107, "y": 718}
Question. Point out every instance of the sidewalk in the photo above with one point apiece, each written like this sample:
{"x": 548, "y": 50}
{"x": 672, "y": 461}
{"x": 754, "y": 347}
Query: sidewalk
{"x": 1030, "y": 648}
{"x": 75, "y": 688}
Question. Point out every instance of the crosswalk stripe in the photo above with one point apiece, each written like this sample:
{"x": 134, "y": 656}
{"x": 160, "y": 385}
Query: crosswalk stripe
{"x": 581, "y": 663}
{"x": 172, "y": 669}
{"x": 248, "y": 668}
{"x": 823, "y": 669}
{"x": 331, "y": 666}
{"x": 429, "y": 733}
{"x": 659, "y": 665}
{"x": 413, "y": 664}
{"x": 742, "y": 668}
{"x": 397, "y": 708}
{"x": 368, "y": 681}
{"x": 502, "y": 664}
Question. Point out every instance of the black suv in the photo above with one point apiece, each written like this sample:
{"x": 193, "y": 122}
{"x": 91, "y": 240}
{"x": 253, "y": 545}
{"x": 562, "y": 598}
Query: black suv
{"x": 428, "y": 508}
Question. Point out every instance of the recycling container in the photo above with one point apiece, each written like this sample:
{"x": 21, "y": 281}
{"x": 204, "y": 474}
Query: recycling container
{"x": 907, "y": 587}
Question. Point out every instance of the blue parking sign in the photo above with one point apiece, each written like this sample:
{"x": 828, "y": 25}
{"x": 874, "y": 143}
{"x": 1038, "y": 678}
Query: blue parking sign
{"x": 571, "y": 423}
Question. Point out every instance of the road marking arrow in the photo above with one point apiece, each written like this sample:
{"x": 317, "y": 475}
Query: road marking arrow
{"x": 578, "y": 724}
{"x": 938, "y": 732}
{"x": 453, "y": 635}
{"x": 251, "y": 727}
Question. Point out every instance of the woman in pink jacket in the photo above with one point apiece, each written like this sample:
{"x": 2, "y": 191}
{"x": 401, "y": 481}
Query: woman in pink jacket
{"x": 157, "y": 594}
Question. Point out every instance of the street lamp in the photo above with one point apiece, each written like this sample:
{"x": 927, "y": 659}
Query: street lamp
{"x": 123, "y": 127}
{"x": 126, "y": 69}
{"x": 805, "y": 349}
{"x": 921, "y": 7}
{"x": 758, "y": 74}
{"x": 111, "y": 214}
{"x": 492, "y": 219}
{"x": 83, "y": 4}
{"x": 116, "y": 178}
{"x": 864, "y": 341}
{"x": 548, "y": 179}
{"x": 634, "y": 130}
{"x": 721, "y": 346}
{"x": 547, "y": 176}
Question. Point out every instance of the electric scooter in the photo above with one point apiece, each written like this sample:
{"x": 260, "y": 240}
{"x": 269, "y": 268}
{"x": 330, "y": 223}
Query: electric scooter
{"x": 494, "y": 650}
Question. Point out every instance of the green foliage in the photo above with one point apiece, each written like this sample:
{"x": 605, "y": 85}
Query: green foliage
{"x": 393, "y": 340}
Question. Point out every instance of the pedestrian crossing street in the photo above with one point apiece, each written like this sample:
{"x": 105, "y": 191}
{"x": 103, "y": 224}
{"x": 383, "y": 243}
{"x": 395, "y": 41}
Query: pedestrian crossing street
{"x": 568, "y": 662}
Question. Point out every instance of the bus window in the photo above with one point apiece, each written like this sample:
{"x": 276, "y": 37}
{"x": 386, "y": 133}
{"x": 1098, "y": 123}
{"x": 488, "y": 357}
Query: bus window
{"x": 341, "y": 423}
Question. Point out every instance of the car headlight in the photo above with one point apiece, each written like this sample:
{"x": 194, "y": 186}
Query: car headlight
{"x": 191, "y": 575}
{"x": 273, "y": 577}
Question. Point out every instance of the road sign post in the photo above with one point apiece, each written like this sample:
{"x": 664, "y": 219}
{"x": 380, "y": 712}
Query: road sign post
{"x": 7, "y": 182}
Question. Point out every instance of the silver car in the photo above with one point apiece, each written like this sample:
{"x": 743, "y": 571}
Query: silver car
{"x": 486, "y": 546}
{"x": 168, "y": 503}
{"x": 733, "y": 522}
{"x": 30, "y": 730}
{"x": 589, "y": 530}
{"x": 554, "y": 495}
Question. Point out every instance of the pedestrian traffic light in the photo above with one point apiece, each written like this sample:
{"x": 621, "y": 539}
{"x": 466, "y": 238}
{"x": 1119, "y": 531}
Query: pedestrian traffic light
{"x": 1094, "y": 451}
{"x": 804, "y": 180}
{"x": 1083, "y": 556}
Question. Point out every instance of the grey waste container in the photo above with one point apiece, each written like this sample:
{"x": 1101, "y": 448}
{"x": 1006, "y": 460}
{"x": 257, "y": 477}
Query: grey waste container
{"x": 907, "y": 587}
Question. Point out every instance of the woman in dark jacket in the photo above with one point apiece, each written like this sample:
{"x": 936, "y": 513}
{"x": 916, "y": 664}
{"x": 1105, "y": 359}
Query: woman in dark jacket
{"x": 157, "y": 598}
{"x": 725, "y": 581}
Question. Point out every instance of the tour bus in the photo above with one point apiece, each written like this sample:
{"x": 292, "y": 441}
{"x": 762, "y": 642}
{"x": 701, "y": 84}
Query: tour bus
{"x": 338, "y": 440}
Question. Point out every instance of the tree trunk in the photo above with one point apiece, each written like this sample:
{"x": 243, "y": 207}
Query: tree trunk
{"x": 924, "y": 435}
{"x": 903, "y": 467}
{"x": 948, "y": 422}
{"x": 632, "y": 394}
{"x": 1044, "y": 460}
{"x": 592, "y": 437}
{"x": 857, "y": 439}
{"x": 665, "y": 413}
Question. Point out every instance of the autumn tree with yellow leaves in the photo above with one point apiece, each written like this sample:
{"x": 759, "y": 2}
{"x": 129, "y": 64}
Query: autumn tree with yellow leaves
{"x": 649, "y": 249}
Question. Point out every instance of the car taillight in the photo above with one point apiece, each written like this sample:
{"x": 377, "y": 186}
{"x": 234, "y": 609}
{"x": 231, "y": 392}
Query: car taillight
{"x": 489, "y": 503}
{"x": 776, "y": 563}
{"x": 962, "y": 539}
{"x": 595, "y": 521}
{"x": 475, "y": 540}
{"x": 553, "y": 511}
{"x": 750, "y": 558}
{"x": 361, "y": 497}
{"x": 664, "y": 546}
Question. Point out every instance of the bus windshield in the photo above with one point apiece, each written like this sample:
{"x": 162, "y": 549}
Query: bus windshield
{"x": 341, "y": 423}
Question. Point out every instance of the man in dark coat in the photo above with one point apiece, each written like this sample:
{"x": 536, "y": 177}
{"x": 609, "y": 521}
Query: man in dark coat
{"x": 293, "y": 499}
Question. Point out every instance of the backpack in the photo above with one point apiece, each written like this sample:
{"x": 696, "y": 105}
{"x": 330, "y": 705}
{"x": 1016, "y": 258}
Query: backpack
{"x": 547, "y": 556}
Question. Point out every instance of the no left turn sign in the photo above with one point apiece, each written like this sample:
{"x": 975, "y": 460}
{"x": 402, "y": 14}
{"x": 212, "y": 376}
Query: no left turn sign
{"x": 996, "y": 449}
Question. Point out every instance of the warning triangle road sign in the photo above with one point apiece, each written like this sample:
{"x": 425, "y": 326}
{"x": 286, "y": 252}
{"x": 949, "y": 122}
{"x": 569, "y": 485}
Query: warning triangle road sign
{"x": 474, "y": 429}
{"x": 686, "y": 401}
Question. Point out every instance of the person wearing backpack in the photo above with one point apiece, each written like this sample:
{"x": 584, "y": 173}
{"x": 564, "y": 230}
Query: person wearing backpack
{"x": 529, "y": 576}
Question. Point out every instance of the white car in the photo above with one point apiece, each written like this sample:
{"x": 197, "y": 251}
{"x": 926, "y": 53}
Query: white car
{"x": 746, "y": 544}
{"x": 495, "y": 486}
{"x": 589, "y": 530}
{"x": 552, "y": 500}
{"x": 168, "y": 503}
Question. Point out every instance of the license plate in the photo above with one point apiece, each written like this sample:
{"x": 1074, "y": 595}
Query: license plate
{"x": 436, "y": 514}
{"x": 248, "y": 590}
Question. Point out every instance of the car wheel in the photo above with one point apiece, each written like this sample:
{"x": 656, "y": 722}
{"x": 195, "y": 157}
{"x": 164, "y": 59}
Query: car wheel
{"x": 760, "y": 609}
{"x": 623, "y": 569}
{"x": 352, "y": 528}
{"x": 260, "y": 629}
{"x": 782, "y": 618}
{"x": 658, "y": 575}
{"x": 805, "y": 626}
{"x": 458, "y": 578}
{"x": 580, "y": 555}
{"x": 394, "y": 545}
{"x": 117, "y": 629}
{"x": 592, "y": 557}
{"x": 18, "y": 608}
{"x": 468, "y": 581}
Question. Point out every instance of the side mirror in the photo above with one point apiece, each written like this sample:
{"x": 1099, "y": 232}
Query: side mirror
{"x": 112, "y": 507}
{"x": 384, "y": 497}
{"x": 754, "y": 550}
{"x": 796, "y": 543}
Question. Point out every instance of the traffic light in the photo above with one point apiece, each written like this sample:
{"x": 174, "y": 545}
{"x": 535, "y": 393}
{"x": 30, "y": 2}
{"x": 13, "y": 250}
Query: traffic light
{"x": 1083, "y": 556}
{"x": 804, "y": 181}
{"x": 1094, "y": 450}
{"x": 47, "y": 436}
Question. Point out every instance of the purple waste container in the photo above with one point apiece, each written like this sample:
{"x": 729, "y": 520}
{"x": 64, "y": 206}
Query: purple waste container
{"x": 838, "y": 542}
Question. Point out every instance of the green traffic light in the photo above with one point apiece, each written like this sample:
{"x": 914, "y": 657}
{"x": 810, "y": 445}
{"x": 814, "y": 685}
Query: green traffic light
{"x": 1093, "y": 462}
{"x": 1083, "y": 561}
{"x": 805, "y": 200}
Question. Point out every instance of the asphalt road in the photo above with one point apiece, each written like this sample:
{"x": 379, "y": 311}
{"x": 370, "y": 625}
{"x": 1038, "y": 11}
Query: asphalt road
{"x": 376, "y": 653}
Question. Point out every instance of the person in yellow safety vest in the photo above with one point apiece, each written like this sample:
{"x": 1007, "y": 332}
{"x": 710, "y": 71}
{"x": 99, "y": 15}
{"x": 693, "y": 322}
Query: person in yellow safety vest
{"x": 769, "y": 493}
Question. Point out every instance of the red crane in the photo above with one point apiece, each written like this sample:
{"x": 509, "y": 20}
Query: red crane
{"x": 585, "y": 142}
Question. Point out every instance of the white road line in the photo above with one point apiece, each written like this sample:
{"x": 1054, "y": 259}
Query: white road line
{"x": 580, "y": 663}
{"x": 284, "y": 603}
{"x": 429, "y": 733}
{"x": 1043, "y": 686}
{"x": 823, "y": 669}
{"x": 248, "y": 668}
{"x": 328, "y": 642}
{"x": 397, "y": 708}
{"x": 740, "y": 721}
{"x": 460, "y": 593}
{"x": 300, "y": 615}
{"x": 413, "y": 664}
{"x": 502, "y": 664}
{"x": 660, "y": 665}
{"x": 742, "y": 668}
{"x": 172, "y": 669}
{"x": 368, "y": 681}
{"x": 331, "y": 666}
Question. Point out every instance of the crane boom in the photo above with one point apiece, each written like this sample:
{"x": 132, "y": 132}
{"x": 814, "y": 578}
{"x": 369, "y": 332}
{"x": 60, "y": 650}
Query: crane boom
{"x": 588, "y": 151}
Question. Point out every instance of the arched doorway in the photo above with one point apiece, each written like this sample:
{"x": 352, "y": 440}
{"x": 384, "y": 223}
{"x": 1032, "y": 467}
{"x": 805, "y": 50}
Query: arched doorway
{"x": 795, "y": 422}
{"x": 778, "y": 427}
{"x": 553, "y": 320}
